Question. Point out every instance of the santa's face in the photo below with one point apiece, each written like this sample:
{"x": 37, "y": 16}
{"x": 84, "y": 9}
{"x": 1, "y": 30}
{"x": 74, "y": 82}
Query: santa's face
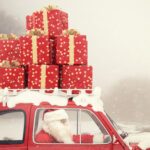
{"x": 59, "y": 129}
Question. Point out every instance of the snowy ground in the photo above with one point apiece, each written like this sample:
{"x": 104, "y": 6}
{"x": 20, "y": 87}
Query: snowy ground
{"x": 133, "y": 128}
{"x": 138, "y": 133}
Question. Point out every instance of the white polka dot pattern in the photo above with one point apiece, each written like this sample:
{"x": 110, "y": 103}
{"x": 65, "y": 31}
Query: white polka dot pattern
{"x": 10, "y": 50}
{"x": 12, "y": 78}
{"x": 63, "y": 51}
{"x": 29, "y": 23}
{"x": 51, "y": 77}
{"x": 76, "y": 77}
{"x": 57, "y": 21}
{"x": 43, "y": 50}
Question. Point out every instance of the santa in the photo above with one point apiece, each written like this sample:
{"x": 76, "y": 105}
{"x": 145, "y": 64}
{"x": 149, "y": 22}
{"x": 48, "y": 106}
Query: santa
{"x": 56, "y": 129}
{"x": 56, "y": 124}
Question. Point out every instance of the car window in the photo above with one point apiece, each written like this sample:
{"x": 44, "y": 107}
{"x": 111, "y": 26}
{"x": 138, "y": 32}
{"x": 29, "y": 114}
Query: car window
{"x": 90, "y": 125}
{"x": 12, "y": 126}
{"x": 79, "y": 127}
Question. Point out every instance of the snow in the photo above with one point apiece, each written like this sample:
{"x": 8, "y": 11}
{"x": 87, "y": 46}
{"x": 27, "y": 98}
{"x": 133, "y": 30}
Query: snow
{"x": 83, "y": 99}
{"x": 36, "y": 98}
{"x": 143, "y": 140}
{"x": 54, "y": 98}
{"x": 136, "y": 134}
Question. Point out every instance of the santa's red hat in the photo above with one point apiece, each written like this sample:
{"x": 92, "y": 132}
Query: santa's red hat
{"x": 55, "y": 115}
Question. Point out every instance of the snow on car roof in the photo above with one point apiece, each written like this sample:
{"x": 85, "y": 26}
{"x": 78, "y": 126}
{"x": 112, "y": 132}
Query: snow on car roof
{"x": 55, "y": 98}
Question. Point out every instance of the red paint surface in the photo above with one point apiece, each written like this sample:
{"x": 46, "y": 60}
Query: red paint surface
{"x": 30, "y": 145}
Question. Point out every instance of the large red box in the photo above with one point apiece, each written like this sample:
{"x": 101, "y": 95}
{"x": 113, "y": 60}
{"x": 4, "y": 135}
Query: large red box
{"x": 10, "y": 50}
{"x": 35, "y": 50}
{"x": 52, "y": 22}
{"x": 12, "y": 78}
{"x": 76, "y": 77}
{"x": 71, "y": 49}
{"x": 29, "y": 23}
{"x": 43, "y": 76}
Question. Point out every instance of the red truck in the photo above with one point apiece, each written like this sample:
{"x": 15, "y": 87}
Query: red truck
{"x": 92, "y": 130}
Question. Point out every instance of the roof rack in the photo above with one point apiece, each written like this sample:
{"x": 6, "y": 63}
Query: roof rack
{"x": 56, "y": 91}
{"x": 5, "y": 93}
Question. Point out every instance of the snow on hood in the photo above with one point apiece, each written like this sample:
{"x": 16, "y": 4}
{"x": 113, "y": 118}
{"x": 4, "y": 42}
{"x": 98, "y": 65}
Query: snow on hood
{"x": 36, "y": 98}
{"x": 142, "y": 139}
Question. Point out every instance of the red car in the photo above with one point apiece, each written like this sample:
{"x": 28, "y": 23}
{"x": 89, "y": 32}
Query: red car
{"x": 92, "y": 130}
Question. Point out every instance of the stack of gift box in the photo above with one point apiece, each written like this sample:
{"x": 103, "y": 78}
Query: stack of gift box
{"x": 48, "y": 56}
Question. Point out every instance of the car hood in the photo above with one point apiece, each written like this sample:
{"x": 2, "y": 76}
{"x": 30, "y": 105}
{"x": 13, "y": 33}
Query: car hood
{"x": 139, "y": 140}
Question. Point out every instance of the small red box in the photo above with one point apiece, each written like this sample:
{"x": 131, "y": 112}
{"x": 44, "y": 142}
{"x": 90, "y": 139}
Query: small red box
{"x": 43, "y": 76}
{"x": 76, "y": 77}
{"x": 10, "y": 50}
{"x": 35, "y": 50}
{"x": 71, "y": 49}
{"x": 29, "y": 23}
{"x": 53, "y": 22}
{"x": 12, "y": 78}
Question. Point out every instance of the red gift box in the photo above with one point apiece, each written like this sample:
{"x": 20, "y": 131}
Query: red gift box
{"x": 52, "y": 22}
{"x": 35, "y": 50}
{"x": 12, "y": 78}
{"x": 29, "y": 23}
{"x": 10, "y": 50}
{"x": 76, "y": 77}
{"x": 43, "y": 76}
{"x": 71, "y": 49}
{"x": 53, "y": 51}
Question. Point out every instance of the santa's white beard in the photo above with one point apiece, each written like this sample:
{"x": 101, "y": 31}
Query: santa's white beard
{"x": 60, "y": 130}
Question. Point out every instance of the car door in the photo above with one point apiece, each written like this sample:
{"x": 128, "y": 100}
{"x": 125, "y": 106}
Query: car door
{"x": 87, "y": 132}
{"x": 13, "y": 131}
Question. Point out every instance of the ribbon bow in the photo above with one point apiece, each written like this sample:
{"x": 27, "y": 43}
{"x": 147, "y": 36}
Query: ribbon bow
{"x": 51, "y": 7}
{"x": 3, "y": 37}
{"x": 70, "y": 32}
{"x": 10, "y": 36}
{"x": 35, "y": 32}
{"x": 6, "y": 63}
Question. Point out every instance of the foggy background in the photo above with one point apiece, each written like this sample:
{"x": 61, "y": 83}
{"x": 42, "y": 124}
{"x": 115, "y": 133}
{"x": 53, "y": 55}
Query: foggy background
{"x": 118, "y": 34}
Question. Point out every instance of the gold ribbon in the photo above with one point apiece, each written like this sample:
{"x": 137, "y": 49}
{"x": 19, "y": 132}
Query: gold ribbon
{"x": 35, "y": 32}
{"x": 6, "y": 63}
{"x": 51, "y": 7}
{"x": 15, "y": 63}
{"x": 45, "y": 21}
{"x": 70, "y": 32}
{"x": 43, "y": 76}
{"x": 10, "y": 36}
{"x": 71, "y": 49}
{"x": 3, "y": 37}
{"x": 34, "y": 49}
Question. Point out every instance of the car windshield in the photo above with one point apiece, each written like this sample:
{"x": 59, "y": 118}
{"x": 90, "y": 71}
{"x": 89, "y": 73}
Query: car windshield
{"x": 122, "y": 133}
